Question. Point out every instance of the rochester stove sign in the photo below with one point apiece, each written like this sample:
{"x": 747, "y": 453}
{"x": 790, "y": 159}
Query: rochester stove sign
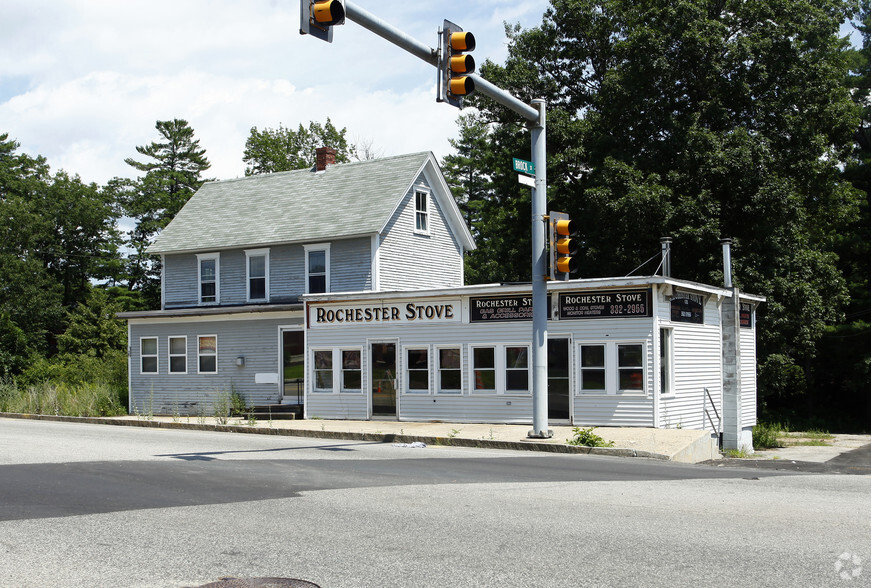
{"x": 605, "y": 304}
{"x": 395, "y": 313}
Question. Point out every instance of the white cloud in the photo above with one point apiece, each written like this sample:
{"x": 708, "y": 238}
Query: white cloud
{"x": 83, "y": 83}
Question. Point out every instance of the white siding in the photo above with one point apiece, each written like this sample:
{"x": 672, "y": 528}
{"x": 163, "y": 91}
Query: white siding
{"x": 408, "y": 260}
{"x": 698, "y": 357}
{"x": 748, "y": 375}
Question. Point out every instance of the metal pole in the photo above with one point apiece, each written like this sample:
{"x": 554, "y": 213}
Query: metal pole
{"x": 389, "y": 32}
{"x": 540, "y": 311}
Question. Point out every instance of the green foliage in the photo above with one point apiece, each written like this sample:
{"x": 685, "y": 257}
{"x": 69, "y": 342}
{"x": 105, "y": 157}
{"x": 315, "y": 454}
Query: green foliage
{"x": 695, "y": 120}
{"x": 91, "y": 399}
{"x": 93, "y": 328}
{"x": 588, "y": 438}
{"x": 237, "y": 403}
{"x": 171, "y": 176}
{"x": 283, "y": 149}
{"x": 766, "y": 435}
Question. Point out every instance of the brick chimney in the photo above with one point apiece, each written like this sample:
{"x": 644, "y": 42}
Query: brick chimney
{"x": 324, "y": 156}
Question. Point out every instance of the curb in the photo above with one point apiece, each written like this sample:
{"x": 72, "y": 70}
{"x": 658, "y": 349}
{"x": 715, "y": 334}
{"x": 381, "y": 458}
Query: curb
{"x": 373, "y": 437}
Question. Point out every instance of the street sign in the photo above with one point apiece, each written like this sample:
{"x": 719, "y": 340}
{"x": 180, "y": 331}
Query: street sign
{"x": 526, "y": 180}
{"x": 524, "y": 167}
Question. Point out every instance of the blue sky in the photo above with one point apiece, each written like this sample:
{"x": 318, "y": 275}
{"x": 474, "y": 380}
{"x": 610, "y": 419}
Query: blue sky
{"x": 83, "y": 83}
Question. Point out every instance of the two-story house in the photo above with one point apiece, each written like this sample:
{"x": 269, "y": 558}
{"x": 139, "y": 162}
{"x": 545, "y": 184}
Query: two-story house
{"x": 240, "y": 254}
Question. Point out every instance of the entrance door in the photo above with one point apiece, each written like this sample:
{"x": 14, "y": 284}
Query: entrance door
{"x": 292, "y": 366}
{"x": 558, "y": 407}
{"x": 382, "y": 366}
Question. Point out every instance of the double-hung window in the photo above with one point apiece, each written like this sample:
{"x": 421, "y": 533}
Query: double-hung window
{"x": 612, "y": 368}
{"x": 207, "y": 354}
{"x": 178, "y": 361}
{"x": 352, "y": 372}
{"x": 421, "y": 212}
{"x": 450, "y": 370}
{"x": 500, "y": 369}
{"x": 148, "y": 355}
{"x": 417, "y": 370}
{"x": 323, "y": 363}
{"x": 317, "y": 269}
{"x": 209, "y": 278}
{"x": 258, "y": 274}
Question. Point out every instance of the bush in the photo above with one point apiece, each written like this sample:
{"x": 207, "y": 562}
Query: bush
{"x": 765, "y": 435}
{"x": 587, "y": 438}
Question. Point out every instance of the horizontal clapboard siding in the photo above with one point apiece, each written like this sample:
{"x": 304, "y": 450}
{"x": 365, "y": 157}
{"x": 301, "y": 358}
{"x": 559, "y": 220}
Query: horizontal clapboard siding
{"x": 257, "y": 340}
{"x": 748, "y": 376}
{"x": 698, "y": 352}
{"x": 410, "y": 260}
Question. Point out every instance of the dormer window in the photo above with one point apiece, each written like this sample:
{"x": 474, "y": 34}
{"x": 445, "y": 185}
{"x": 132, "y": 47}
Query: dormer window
{"x": 421, "y": 212}
{"x": 258, "y": 274}
{"x": 209, "y": 265}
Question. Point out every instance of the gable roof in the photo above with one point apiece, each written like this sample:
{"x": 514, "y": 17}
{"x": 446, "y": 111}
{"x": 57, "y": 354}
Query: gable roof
{"x": 301, "y": 206}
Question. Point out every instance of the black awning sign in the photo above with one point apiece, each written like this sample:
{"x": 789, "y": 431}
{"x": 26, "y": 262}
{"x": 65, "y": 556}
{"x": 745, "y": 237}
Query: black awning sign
{"x": 501, "y": 308}
{"x": 605, "y": 304}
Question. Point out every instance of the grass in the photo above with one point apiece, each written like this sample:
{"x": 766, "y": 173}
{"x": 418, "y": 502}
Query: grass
{"x": 737, "y": 453}
{"x": 83, "y": 399}
{"x": 587, "y": 438}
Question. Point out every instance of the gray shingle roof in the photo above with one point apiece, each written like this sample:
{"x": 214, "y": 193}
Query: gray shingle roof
{"x": 296, "y": 206}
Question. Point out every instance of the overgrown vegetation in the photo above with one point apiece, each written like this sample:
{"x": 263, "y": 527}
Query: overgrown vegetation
{"x": 588, "y": 438}
{"x": 60, "y": 398}
{"x": 766, "y": 435}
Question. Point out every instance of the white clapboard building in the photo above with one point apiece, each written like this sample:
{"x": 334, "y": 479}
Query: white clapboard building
{"x": 340, "y": 289}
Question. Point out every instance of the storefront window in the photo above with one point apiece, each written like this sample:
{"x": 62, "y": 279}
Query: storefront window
{"x": 517, "y": 369}
{"x": 323, "y": 361}
{"x": 352, "y": 374}
{"x": 484, "y": 361}
{"x": 593, "y": 368}
{"x": 450, "y": 376}
{"x": 417, "y": 362}
{"x": 630, "y": 366}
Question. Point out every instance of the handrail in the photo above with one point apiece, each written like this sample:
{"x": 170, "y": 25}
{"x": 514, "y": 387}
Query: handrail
{"x": 713, "y": 406}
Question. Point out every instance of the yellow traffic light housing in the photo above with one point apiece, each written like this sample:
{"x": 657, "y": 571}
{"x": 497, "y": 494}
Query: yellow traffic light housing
{"x": 455, "y": 65}
{"x": 563, "y": 247}
{"x": 318, "y": 17}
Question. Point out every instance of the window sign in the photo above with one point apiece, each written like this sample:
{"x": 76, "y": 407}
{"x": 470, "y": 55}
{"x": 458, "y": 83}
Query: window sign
{"x": 687, "y": 308}
{"x": 207, "y": 353}
{"x": 746, "y": 316}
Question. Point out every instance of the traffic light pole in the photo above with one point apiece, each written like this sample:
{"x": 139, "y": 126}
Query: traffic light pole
{"x": 536, "y": 115}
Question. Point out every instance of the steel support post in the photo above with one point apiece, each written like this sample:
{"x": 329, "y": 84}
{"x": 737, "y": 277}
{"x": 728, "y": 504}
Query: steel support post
{"x": 540, "y": 310}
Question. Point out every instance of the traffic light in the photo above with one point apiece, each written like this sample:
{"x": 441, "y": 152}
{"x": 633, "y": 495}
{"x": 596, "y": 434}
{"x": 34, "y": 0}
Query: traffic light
{"x": 318, "y": 17}
{"x": 455, "y": 64}
{"x": 563, "y": 247}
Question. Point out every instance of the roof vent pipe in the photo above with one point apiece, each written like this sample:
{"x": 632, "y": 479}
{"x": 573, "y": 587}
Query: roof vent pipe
{"x": 727, "y": 261}
{"x": 666, "y": 256}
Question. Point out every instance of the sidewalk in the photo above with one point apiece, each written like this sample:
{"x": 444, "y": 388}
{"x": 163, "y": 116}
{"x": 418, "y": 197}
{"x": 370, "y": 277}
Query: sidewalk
{"x": 679, "y": 445}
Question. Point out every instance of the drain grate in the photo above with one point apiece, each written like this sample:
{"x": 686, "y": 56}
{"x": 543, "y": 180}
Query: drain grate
{"x": 260, "y": 583}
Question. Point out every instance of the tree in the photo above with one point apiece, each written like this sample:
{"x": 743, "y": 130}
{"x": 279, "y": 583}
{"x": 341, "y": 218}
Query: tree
{"x": 169, "y": 180}
{"x": 283, "y": 149}
{"x": 93, "y": 329}
{"x": 697, "y": 119}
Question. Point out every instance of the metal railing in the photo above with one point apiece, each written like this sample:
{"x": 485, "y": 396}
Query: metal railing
{"x": 718, "y": 428}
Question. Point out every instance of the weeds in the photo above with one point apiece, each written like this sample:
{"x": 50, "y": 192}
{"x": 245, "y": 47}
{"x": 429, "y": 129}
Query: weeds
{"x": 766, "y": 435}
{"x": 587, "y": 438}
{"x": 85, "y": 399}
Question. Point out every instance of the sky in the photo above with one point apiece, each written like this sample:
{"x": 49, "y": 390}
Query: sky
{"x": 83, "y": 82}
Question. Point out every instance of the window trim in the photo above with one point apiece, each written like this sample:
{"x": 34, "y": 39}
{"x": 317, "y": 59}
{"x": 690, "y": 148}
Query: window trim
{"x": 325, "y": 247}
{"x": 250, "y": 253}
{"x": 501, "y": 370}
{"x": 341, "y": 371}
{"x": 406, "y": 388}
{"x": 314, "y": 371}
{"x": 424, "y": 214}
{"x": 438, "y": 371}
{"x": 201, "y": 257}
{"x": 170, "y": 354}
{"x": 612, "y": 367}
{"x": 581, "y": 368}
{"x": 666, "y": 362}
{"x": 155, "y": 355}
{"x": 201, "y": 355}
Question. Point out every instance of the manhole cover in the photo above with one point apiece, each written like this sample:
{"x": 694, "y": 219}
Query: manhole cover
{"x": 260, "y": 583}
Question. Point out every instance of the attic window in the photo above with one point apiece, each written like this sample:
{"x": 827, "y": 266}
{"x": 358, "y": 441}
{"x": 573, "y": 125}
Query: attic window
{"x": 421, "y": 213}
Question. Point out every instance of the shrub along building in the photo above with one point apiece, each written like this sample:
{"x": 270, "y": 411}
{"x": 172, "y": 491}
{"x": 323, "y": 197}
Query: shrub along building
{"x": 341, "y": 289}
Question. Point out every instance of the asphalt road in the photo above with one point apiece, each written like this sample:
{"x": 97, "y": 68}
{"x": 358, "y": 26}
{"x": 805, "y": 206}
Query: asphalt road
{"x": 89, "y": 505}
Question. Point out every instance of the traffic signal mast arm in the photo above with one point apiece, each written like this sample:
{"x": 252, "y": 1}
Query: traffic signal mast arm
{"x": 423, "y": 51}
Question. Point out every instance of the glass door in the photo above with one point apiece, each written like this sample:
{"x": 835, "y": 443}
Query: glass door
{"x": 292, "y": 366}
{"x": 382, "y": 366}
{"x": 558, "y": 401}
